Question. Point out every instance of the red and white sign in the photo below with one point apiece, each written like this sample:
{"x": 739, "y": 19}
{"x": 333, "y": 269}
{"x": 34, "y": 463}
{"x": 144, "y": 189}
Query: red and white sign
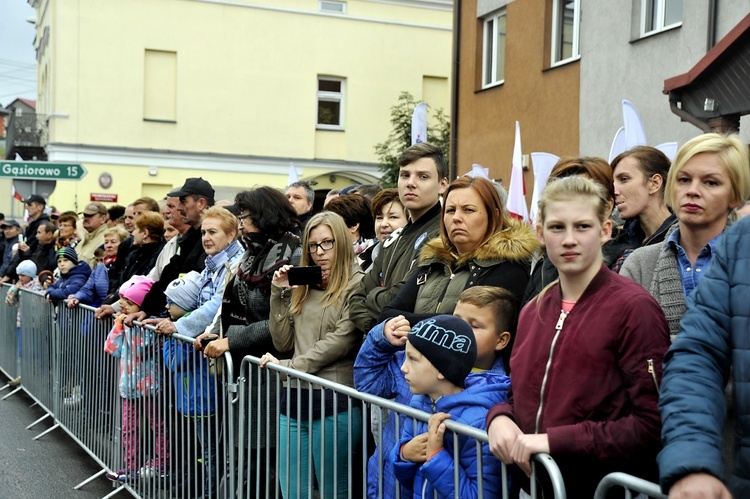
{"x": 103, "y": 197}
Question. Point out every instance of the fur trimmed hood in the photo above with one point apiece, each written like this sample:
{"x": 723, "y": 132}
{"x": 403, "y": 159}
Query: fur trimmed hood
{"x": 516, "y": 242}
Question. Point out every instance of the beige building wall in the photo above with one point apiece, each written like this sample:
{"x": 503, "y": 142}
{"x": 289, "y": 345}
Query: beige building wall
{"x": 228, "y": 89}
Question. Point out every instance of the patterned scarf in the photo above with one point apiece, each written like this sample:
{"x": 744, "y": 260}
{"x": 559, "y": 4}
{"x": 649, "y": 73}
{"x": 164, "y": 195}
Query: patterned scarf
{"x": 263, "y": 256}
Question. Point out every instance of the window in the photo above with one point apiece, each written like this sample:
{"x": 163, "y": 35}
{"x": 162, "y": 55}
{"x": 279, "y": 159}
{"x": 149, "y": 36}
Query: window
{"x": 332, "y": 6}
{"x": 493, "y": 53}
{"x": 566, "y": 16}
{"x": 330, "y": 103}
{"x": 160, "y": 86}
{"x": 658, "y": 15}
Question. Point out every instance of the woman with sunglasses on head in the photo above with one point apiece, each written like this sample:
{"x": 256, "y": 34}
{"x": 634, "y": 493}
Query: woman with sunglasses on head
{"x": 313, "y": 322}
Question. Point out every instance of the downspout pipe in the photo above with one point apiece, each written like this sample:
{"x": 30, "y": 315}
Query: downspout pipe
{"x": 455, "y": 69}
{"x": 713, "y": 6}
{"x": 685, "y": 116}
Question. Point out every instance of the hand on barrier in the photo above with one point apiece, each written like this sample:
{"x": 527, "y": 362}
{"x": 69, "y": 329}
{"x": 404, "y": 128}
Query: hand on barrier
{"x": 138, "y": 316}
{"x": 120, "y": 318}
{"x": 526, "y": 446}
{"x": 104, "y": 311}
{"x": 436, "y": 433}
{"x": 198, "y": 343}
{"x": 165, "y": 327}
{"x": 699, "y": 485}
{"x": 415, "y": 450}
{"x": 216, "y": 348}
{"x": 267, "y": 357}
{"x": 72, "y": 301}
{"x": 502, "y": 434}
{"x": 396, "y": 330}
{"x": 153, "y": 321}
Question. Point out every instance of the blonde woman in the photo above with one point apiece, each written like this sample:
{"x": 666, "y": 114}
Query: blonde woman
{"x": 313, "y": 322}
{"x": 708, "y": 180}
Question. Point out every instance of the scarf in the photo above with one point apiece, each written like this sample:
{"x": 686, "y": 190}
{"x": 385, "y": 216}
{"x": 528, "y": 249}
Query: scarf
{"x": 263, "y": 256}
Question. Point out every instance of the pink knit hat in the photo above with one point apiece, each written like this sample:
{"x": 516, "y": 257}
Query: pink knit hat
{"x": 136, "y": 288}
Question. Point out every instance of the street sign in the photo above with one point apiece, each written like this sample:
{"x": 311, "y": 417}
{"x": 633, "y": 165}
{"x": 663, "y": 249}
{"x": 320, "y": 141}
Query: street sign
{"x": 42, "y": 170}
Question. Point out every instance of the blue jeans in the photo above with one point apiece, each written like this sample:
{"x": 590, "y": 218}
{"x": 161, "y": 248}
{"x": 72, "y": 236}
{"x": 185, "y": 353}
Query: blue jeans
{"x": 295, "y": 485}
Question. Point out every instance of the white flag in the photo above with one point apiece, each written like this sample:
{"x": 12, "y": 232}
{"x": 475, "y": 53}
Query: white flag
{"x": 292, "y": 174}
{"x": 419, "y": 124}
{"x": 618, "y": 144}
{"x": 668, "y": 148}
{"x": 543, "y": 162}
{"x": 517, "y": 189}
{"x": 478, "y": 170}
{"x": 635, "y": 135}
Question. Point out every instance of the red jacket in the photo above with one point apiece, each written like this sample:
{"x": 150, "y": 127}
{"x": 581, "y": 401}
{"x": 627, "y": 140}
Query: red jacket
{"x": 598, "y": 404}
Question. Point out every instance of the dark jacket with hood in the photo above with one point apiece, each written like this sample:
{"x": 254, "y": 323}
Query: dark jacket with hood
{"x": 503, "y": 261}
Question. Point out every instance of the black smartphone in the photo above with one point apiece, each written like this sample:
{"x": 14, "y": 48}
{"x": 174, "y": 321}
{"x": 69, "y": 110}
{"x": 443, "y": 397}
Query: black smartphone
{"x": 305, "y": 276}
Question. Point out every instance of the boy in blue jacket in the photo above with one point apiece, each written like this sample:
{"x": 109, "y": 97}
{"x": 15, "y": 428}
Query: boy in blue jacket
{"x": 423, "y": 460}
{"x": 490, "y": 311}
{"x": 195, "y": 388}
{"x": 73, "y": 275}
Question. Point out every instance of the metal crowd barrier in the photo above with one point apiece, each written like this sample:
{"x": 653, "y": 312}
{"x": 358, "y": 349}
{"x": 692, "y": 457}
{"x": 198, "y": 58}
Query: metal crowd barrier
{"x": 190, "y": 433}
{"x": 263, "y": 395}
{"x": 630, "y": 484}
{"x": 9, "y": 355}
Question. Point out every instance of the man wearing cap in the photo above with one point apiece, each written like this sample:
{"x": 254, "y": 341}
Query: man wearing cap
{"x": 35, "y": 205}
{"x": 195, "y": 197}
{"x": 95, "y": 217}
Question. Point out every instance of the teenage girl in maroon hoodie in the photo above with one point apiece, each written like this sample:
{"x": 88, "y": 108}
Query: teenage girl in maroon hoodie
{"x": 587, "y": 358}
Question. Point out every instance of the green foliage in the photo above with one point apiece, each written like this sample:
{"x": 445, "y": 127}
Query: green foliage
{"x": 400, "y": 137}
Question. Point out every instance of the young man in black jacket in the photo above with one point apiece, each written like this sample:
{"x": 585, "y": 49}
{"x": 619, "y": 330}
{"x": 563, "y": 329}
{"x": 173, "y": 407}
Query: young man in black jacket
{"x": 423, "y": 177}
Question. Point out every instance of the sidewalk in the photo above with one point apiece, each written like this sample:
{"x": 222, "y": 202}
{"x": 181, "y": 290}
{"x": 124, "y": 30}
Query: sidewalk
{"x": 46, "y": 468}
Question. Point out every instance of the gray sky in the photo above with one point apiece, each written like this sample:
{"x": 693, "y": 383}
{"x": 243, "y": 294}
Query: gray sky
{"x": 17, "y": 55}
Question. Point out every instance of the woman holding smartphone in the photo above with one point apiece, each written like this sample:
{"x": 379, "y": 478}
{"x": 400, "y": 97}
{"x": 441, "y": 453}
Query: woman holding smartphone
{"x": 313, "y": 321}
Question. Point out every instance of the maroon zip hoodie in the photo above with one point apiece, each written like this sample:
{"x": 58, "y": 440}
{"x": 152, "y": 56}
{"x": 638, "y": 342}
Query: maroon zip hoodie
{"x": 599, "y": 401}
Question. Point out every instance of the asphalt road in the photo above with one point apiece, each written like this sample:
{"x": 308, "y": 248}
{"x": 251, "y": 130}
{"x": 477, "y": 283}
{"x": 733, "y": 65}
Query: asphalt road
{"x": 47, "y": 468}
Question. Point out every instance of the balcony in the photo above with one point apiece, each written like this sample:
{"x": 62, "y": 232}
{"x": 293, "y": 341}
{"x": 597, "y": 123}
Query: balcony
{"x": 27, "y": 135}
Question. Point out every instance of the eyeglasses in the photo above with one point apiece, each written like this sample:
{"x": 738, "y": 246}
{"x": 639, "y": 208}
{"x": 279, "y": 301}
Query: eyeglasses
{"x": 242, "y": 218}
{"x": 324, "y": 245}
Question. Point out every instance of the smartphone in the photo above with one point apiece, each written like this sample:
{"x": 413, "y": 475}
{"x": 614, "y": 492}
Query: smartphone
{"x": 305, "y": 276}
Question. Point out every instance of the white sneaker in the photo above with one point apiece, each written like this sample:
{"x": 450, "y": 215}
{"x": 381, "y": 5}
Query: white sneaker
{"x": 75, "y": 398}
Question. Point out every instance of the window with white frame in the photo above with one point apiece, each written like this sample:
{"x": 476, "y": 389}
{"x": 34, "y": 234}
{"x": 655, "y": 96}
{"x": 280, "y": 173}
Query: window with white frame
{"x": 332, "y": 6}
{"x": 658, "y": 15}
{"x": 566, "y": 18}
{"x": 493, "y": 50}
{"x": 330, "y": 103}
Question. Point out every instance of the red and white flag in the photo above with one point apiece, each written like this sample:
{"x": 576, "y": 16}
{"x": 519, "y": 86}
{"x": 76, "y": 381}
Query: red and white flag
{"x": 13, "y": 192}
{"x": 517, "y": 189}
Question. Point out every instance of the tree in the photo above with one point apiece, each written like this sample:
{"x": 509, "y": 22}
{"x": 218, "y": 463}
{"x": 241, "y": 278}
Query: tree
{"x": 400, "y": 137}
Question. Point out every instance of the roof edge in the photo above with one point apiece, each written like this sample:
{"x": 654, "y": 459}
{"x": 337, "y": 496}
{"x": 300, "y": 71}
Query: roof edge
{"x": 685, "y": 79}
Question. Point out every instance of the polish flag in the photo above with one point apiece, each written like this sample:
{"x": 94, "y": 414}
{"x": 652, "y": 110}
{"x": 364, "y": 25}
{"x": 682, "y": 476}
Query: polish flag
{"x": 13, "y": 192}
{"x": 517, "y": 190}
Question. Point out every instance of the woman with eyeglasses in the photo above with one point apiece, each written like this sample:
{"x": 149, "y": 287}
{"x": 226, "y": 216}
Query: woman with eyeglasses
{"x": 640, "y": 176}
{"x": 313, "y": 322}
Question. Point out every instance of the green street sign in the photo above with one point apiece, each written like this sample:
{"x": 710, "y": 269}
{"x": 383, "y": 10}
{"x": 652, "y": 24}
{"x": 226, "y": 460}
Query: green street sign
{"x": 42, "y": 170}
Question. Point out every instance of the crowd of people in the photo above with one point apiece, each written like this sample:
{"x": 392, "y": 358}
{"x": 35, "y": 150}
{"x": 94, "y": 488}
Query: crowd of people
{"x": 551, "y": 338}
